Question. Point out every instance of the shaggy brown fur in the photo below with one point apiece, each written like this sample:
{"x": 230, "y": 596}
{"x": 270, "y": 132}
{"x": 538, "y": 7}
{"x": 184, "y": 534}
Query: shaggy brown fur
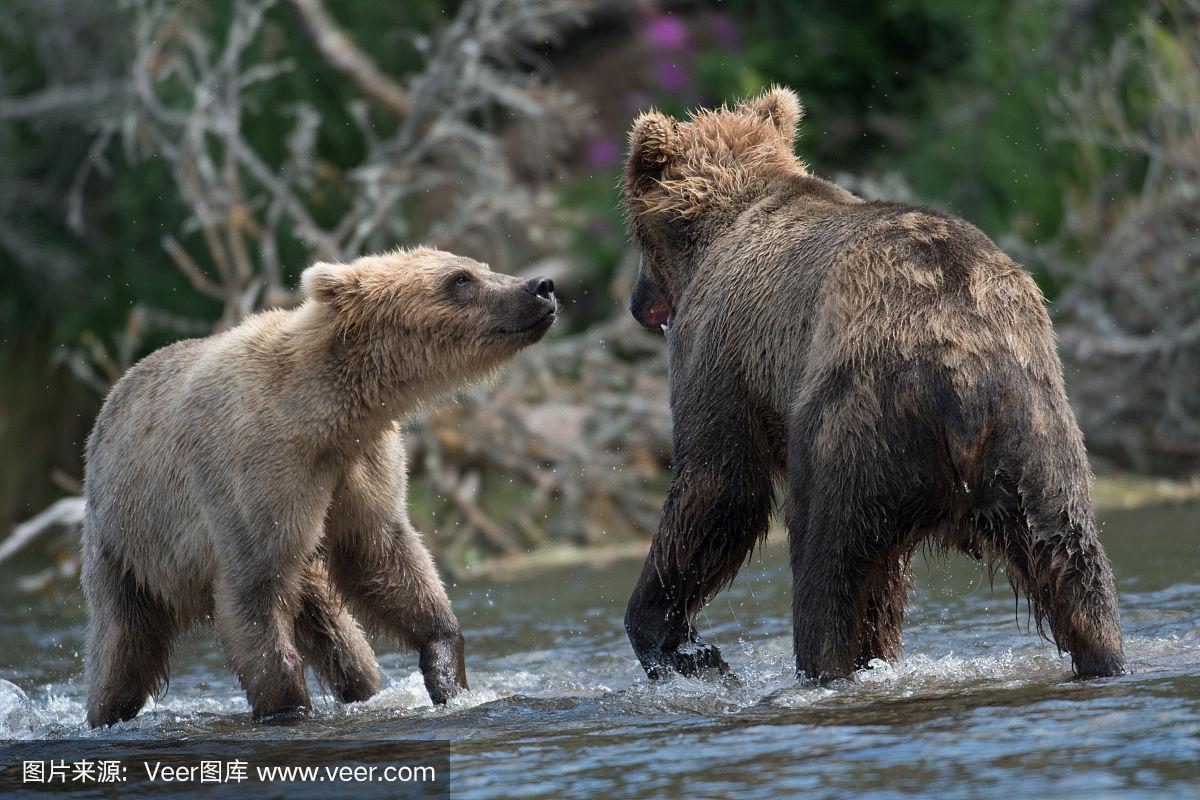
{"x": 258, "y": 477}
{"x": 890, "y": 360}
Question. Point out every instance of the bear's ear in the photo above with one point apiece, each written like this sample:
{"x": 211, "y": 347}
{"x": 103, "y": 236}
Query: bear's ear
{"x": 652, "y": 145}
{"x": 781, "y": 107}
{"x": 324, "y": 282}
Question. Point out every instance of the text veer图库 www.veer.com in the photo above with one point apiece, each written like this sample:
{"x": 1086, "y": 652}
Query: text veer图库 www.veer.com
{"x": 114, "y": 771}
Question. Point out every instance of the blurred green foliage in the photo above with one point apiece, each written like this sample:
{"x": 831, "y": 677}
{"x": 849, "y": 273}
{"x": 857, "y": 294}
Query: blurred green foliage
{"x": 954, "y": 97}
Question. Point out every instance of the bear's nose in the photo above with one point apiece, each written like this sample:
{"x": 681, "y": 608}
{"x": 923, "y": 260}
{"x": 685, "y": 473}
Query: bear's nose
{"x": 540, "y": 286}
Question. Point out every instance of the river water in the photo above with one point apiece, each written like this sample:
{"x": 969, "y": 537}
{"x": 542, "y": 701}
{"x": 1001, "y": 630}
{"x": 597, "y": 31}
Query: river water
{"x": 559, "y": 708}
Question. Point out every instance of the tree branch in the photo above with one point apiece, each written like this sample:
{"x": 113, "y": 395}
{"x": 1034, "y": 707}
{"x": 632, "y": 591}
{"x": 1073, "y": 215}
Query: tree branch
{"x": 344, "y": 56}
{"x": 55, "y": 99}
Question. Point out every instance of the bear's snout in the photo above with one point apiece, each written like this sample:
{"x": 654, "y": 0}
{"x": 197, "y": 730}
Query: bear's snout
{"x": 527, "y": 307}
{"x": 545, "y": 304}
{"x": 541, "y": 287}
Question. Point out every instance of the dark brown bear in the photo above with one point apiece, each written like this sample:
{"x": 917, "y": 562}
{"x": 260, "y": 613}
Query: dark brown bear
{"x": 889, "y": 360}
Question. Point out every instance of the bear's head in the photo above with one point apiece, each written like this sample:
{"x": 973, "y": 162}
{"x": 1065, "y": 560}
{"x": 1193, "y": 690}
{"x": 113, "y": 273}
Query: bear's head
{"x": 681, "y": 177}
{"x": 429, "y": 318}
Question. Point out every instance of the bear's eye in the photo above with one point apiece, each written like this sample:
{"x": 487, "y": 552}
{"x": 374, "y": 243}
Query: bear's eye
{"x": 462, "y": 279}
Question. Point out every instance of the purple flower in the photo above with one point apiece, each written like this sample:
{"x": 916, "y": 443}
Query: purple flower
{"x": 637, "y": 99}
{"x": 599, "y": 228}
{"x": 725, "y": 32}
{"x": 602, "y": 153}
{"x": 672, "y": 76}
{"x": 667, "y": 33}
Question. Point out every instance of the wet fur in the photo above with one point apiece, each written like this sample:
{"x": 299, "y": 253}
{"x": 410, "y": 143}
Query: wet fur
{"x": 257, "y": 477}
{"x": 886, "y": 362}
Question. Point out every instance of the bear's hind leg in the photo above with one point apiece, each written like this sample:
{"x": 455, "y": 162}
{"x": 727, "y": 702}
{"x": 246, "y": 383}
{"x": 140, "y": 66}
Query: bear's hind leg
{"x": 128, "y": 644}
{"x": 856, "y": 506}
{"x": 1038, "y": 517}
{"x": 255, "y": 619}
{"x": 1062, "y": 568}
{"x": 332, "y": 642}
{"x": 883, "y": 617}
{"x": 832, "y": 564}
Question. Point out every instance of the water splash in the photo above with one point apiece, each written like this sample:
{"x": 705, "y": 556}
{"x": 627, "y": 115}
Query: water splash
{"x": 764, "y": 669}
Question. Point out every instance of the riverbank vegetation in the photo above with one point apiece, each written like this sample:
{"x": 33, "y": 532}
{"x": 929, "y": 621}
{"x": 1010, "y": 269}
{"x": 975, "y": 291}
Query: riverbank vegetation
{"x": 171, "y": 166}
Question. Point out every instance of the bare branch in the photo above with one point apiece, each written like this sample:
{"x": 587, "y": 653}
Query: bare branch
{"x": 55, "y": 100}
{"x": 345, "y": 56}
{"x": 187, "y": 266}
{"x": 66, "y": 513}
{"x": 481, "y": 85}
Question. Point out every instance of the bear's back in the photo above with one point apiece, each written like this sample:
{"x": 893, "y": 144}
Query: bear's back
{"x": 144, "y": 395}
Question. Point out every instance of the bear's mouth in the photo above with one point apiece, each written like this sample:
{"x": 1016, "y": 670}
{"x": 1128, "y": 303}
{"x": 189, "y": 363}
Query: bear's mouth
{"x": 542, "y": 323}
{"x": 657, "y": 314}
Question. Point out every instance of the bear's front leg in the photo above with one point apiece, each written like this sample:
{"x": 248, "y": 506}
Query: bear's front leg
{"x": 443, "y": 663}
{"x": 390, "y": 580}
{"x": 662, "y": 635}
{"x": 717, "y": 508}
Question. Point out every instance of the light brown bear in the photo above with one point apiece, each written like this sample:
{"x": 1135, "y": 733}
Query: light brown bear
{"x": 257, "y": 477}
{"x": 887, "y": 361}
